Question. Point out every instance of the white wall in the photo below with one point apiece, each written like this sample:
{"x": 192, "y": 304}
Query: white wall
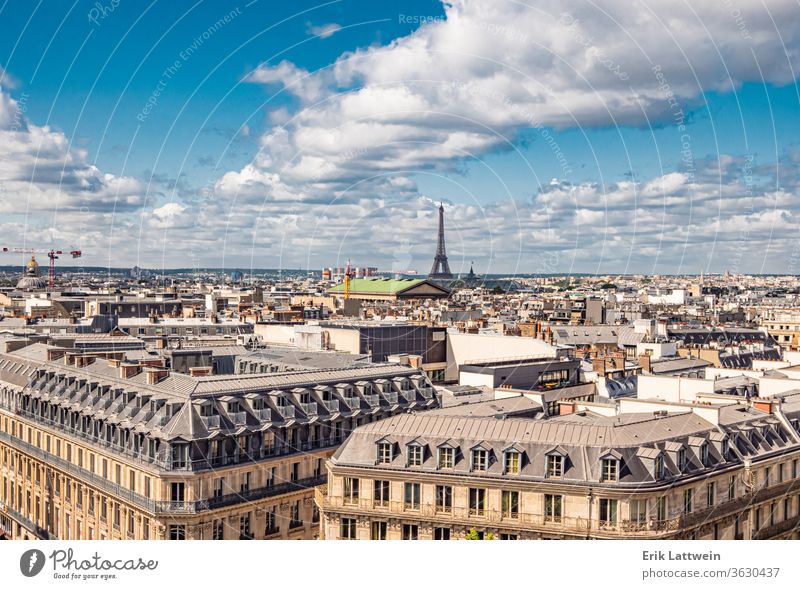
{"x": 657, "y": 350}
{"x": 671, "y": 388}
{"x": 463, "y": 348}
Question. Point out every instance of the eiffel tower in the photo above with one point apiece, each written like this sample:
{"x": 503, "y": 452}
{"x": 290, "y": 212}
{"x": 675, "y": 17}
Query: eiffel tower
{"x": 441, "y": 268}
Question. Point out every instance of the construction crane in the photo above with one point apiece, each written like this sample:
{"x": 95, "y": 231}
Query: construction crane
{"x": 347, "y": 275}
{"x": 52, "y": 255}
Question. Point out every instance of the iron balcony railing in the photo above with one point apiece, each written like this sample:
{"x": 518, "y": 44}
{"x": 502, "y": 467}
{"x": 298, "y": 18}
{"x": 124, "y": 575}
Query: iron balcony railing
{"x": 579, "y": 525}
{"x": 152, "y": 505}
{"x": 372, "y": 400}
{"x": 287, "y": 411}
{"x": 332, "y": 405}
{"x": 210, "y": 421}
{"x": 353, "y": 402}
{"x": 308, "y": 408}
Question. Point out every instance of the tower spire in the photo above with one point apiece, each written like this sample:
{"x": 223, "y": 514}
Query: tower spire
{"x": 441, "y": 267}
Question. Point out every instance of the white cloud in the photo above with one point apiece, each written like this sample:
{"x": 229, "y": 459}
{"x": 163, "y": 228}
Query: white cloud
{"x": 323, "y": 31}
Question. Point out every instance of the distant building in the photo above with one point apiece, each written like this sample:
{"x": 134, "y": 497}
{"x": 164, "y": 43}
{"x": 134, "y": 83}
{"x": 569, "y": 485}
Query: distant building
{"x": 388, "y": 289}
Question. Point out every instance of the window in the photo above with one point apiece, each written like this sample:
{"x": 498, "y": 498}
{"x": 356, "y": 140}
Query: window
{"x": 177, "y": 492}
{"x": 512, "y": 461}
{"x": 218, "y": 530}
{"x": 725, "y": 448}
{"x": 384, "y": 453}
{"x": 447, "y": 457}
{"x": 414, "y": 455}
{"x": 177, "y": 532}
{"x": 350, "y": 490}
{"x": 477, "y": 501}
{"x": 552, "y": 508}
{"x": 638, "y": 511}
{"x": 661, "y": 509}
{"x": 244, "y": 527}
{"x": 444, "y": 498}
{"x": 378, "y": 531}
{"x": 441, "y": 533}
{"x": 555, "y": 466}
{"x": 609, "y": 471}
{"x": 479, "y": 460}
{"x": 658, "y": 467}
{"x": 410, "y": 532}
{"x": 711, "y": 493}
{"x": 704, "y": 455}
{"x": 217, "y": 492}
{"x": 688, "y": 497}
{"x": 245, "y": 483}
{"x": 381, "y": 494}
{"x": 511, "y": 504}
{"x": 412, "y": 495}
{"x": 295, "y": 521}
{"x": 348, "y": 531}
{"x": 732, "y": 488}
{"x": 608, "y": 512}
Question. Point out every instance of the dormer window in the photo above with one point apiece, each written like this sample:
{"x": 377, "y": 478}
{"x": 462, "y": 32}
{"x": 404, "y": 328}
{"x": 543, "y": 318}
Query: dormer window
{"x": 447, "y": 457}
{"x": 725, "y": 449}
{"x": 658, "y": 467}
{"x": 480, "y": 460}
{"x": 609, "y": 470}
{"x": 681, "y": 459}
{"x": 555, "y": 466}
{"x": 384, "y": 453}
{"x": 414, "y": 455}
{"x": 704, "y": 454}
{"x": 512, "y": 462}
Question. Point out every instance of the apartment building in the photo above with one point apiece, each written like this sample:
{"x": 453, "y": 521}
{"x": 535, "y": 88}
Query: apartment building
{"x": 95, "y": 448}
{"x": 720, "y": 472}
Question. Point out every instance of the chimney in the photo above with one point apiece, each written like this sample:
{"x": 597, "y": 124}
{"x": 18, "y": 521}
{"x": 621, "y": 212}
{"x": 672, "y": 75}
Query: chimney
{"x": 156, "y": 375}
{"x": 599, "y": 365}
{"x": 566, "y": 407}
{"x": 765, "y": 404}
{"x": 114, "y": 362}
{"x": 127, "y": 370}
{"x": 645, "y": 363}
{"x": 200, "y": 371}
{"x": 83, "y": 360}
{"x": 161, "y": 343}
{"x": 55, "y": 354}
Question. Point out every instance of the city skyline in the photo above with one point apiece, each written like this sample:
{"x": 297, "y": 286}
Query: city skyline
{"x": 561, "y": 139}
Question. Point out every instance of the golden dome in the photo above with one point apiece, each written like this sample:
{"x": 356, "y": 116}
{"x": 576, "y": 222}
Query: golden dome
{"x": 33, "y": 266}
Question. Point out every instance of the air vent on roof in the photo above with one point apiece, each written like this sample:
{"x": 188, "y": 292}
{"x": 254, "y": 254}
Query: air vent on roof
{"x": 659, "y": 414}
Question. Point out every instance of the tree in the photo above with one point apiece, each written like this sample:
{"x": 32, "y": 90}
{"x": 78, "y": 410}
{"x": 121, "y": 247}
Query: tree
{"x": 474, "y": 535}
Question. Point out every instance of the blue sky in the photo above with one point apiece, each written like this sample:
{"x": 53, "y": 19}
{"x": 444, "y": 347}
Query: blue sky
{"x": 303, "y": 134}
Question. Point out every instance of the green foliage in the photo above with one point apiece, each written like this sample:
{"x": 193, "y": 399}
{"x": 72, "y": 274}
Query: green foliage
{"x": 474, "y": 535}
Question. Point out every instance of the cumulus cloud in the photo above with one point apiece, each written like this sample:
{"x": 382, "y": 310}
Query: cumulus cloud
{"x": 470, "y": 84}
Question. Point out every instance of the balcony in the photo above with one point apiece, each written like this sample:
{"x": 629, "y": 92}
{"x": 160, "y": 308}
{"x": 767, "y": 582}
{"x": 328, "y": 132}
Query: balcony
{"x": 353, "y": 402}
{"x": 426, "y": 392}
{"x": 264, "y": 414}
{"x": 332, "y": 405}
{"x": 238, "y": 418}
{"x": 210, "y": 421}
{"x": 391, "y": 398}
{"x": 309, "y": 409}
{"x": 372, "y": 400}
{"x": 287, "y": 411}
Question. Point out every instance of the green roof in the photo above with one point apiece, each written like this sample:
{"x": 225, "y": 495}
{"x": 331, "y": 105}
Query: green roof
{"x": 378, "y": 285}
